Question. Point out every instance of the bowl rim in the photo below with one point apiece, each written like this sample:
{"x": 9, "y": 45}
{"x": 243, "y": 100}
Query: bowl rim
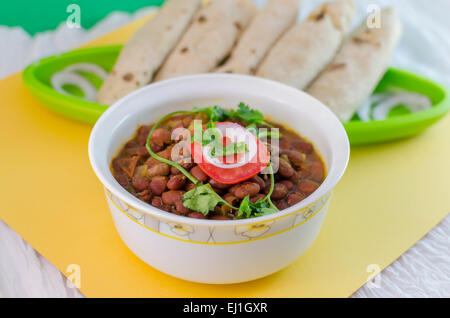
{"x": 118, "y": 191}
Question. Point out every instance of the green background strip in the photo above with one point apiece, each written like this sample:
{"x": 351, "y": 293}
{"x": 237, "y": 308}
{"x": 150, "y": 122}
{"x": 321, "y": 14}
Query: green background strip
{"x": 42, "y": 15}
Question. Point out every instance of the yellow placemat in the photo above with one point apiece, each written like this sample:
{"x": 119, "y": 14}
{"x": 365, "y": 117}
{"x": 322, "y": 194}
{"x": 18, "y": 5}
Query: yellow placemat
{"x": 390, "y": 196}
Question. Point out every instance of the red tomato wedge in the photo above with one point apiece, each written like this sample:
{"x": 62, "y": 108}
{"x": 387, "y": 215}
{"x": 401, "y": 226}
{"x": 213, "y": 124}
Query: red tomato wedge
{"x": 234, "y": 168}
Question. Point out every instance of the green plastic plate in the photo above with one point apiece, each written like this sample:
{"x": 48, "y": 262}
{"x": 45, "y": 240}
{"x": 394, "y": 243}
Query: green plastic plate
{"x": 400, "y": 123}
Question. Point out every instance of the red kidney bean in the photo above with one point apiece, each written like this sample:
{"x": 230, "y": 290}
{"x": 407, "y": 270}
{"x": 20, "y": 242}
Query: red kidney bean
{"x": 187, "y": 165}
{"x": 157, "y": 202}
{"x": 196, "y": 215}
{"x": 281, "y": 205}
{"x": 131, "y": 144}
{"x": 166, "y": 153}
{"x": 247, "y": 188}
{"x": 160, "y": 169}
{"x": 257, "y": 197}
{"x": 190, "y": 186}
{"x": 143, "y": 132}
{"x": 161, "y": 136}
{"x": 218, "y": 185}
{"x": 140, "y": 183}
{"x": 132, "y": 151}
{"x": 316, "y": 171}
{"x": 218, "y": 191}
{"x": 116, "y": 166}
{"x": 230, "y": 198}
{"x": 158, "y": 185}
{"x": 199, "y": 174}
{"x": 151, "y": 162}
{"x": 279, "y": 191}
{"x": 296, "y": 157}
{"x": 142, "y": 151}
{"x": 122, "y": 179}
{"x": 285, "y": 169}
{"x": 155, "y": 147}
{"x": 145, "y": 195}
{"x": 307, "y": 186}
{"x": 168, "y": 208}
{"x": 289, "y": 185}
{"x": 301, "y": 145}
{"x": 172, "y": 196}
{"x": 180, "y": 208}
{"x": 284, "y": 143}
{"x": 174, "y": 171}
{"x": 267, "y": 184}
{"x": 295, "y": 177}
{"x": 259, "y": 181}
{"x": 176, "y": 182}
{"x": 295, "y": 198}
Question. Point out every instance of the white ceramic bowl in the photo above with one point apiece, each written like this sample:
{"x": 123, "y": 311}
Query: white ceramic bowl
{"x": 211, "y": 251}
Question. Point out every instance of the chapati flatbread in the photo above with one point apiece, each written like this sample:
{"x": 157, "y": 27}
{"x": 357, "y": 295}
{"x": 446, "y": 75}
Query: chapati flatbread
{"x": 209, "y": 39}
{"x": 359, "y": 66}
{"x": 147, "y": 49}
{"x": 306, "y": 49}
{"x": 265, "y": 29}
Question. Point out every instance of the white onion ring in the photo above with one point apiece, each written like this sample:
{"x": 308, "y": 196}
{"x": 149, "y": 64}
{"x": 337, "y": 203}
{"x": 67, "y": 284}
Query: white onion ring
{"x": 235, "y": 133}
{"x": 88, "y": 68}
{"x": 364, "y": 111}
{"x": 63, "y": 78}
{"x": 413, "y": 101}
{"x": 385, "y": 102}
{"x": 69, "y": 75}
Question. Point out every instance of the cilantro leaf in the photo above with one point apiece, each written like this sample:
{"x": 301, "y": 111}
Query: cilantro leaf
{"x": 243, "y": 112}
{"x": 218, "y": 114}
{"x": 259, "y": 208}
{"x": 215, "y": 113}
{"x": 262, "y": 207}
{"x": 251, "y": 116}
{"x": 244, "y": 208}
{"x": 202, "y": 199}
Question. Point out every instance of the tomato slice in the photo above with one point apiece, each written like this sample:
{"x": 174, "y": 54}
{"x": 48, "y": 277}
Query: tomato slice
{"x": 233, "y": 168}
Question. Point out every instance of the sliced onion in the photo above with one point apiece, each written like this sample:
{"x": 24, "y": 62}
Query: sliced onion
{"x": 88, "y": 68}
{"x": 236, "y": 133}
{"x": 69, "y": 75}
{"x": 364, "y": 111}
{"x": 413, "y": 101}
{"x": 64, "y": 78}
{"x": 385, "y": 102}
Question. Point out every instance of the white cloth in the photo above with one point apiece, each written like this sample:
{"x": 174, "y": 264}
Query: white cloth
{"x": 423, "y": 271}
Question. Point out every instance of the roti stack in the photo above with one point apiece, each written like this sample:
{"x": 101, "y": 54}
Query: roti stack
{"x": 355, "y": 72}
{"x": 264, "y": 30}
{"x": 307, "y": 48}
{"x": 147, "y": 49}
{"x": 209, "y": 39}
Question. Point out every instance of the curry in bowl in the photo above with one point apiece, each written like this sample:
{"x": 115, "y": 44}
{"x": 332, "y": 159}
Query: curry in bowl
{"x": 219, "y": 164}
